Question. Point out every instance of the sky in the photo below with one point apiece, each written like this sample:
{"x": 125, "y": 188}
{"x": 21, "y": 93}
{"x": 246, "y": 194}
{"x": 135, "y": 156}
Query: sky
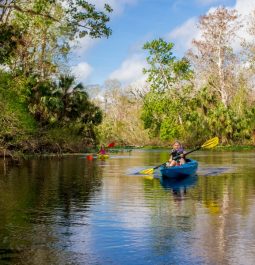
{"x": 134, "y": 22}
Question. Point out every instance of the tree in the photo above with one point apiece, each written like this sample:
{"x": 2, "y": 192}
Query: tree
{"x": 163, "y": 107}
{"x": 213, "y": 59}
{"x": 42, "y": 30}
{"x": 165, "y": 70}
{"x": 82, "y": 16}
{"x": 34, "y": 46}
{"x": 122, "y": 112}
{"x": 9, "y": 40}
{"x": 249, "y": 59}
{"x": 62, "y": 103}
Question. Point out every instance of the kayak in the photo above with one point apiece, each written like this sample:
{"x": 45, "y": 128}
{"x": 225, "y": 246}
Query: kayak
{"x": 185, "y": 170}
{"x": 102, "y": 157}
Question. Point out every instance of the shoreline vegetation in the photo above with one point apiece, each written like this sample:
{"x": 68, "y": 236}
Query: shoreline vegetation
{"x": 45, "y": 110}
{"x": 18, "y": 156}
{"x": 217, "y": 148}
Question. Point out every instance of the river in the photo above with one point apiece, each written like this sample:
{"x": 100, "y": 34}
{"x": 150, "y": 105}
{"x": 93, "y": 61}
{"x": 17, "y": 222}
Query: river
{"x": 75, "y": 211}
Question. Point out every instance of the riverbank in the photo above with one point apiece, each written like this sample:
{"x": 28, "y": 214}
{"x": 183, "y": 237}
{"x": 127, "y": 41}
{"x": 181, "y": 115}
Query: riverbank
{"x": 50, "y": 149}
{"x": 236, "y": 148}
{"x": 217, "y": 148}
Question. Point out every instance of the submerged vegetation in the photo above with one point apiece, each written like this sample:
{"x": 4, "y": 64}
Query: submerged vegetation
{"x": 207, "y": 93}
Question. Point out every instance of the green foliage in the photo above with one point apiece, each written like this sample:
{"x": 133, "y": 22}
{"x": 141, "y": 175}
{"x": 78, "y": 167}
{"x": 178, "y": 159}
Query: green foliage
{"x": 51, "y": 116}
{"x": 85, "y": 20}
{"x": 165, "y": 70}
{"x": 66, "y": 139}
{"x": 16, "y": 123}
{"x": 81, "y": 17}
{"x": 61, "y": 102}
{"x": 121, "y": 121}
{"x": 34, "y": 46}
{"x": 9, "y": 39}
{"x": 36, "y": 37}
{"x": 174, "y": 108}
{"x": 196, "y": 116}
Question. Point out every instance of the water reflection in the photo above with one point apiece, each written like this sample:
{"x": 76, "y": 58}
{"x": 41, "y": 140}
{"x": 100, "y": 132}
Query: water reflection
{"x": 40, "y": 201}
{"x": 179, "y": 186}
{"x": 75, "y": 211}
{"x": 179, "y": 183}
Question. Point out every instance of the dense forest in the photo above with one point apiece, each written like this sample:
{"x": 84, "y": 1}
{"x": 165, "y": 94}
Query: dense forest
{"x": 43, "y": 109}
{"x": 208, "y": 92}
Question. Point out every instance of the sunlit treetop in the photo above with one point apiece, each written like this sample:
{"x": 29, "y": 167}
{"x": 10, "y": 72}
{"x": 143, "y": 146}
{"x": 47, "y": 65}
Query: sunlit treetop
{"x": 81, "y": 16}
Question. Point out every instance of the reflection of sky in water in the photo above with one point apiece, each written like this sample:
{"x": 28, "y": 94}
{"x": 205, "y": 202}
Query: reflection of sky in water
{"x": 76, "y": 211}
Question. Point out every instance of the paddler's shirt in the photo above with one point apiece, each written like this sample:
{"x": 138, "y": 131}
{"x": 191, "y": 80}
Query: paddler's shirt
{"x": 174, "y": 153}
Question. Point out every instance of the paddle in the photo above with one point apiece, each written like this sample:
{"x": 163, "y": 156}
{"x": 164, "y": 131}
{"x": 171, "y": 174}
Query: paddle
{"x": 91, "y": 157}
{"x": 207, "y": 145}
{"x": 111, "y": 145}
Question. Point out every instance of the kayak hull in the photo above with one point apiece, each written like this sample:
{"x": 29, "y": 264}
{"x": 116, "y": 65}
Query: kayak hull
{"x": 185, "y": 170}
{"x": 102, "y": 157}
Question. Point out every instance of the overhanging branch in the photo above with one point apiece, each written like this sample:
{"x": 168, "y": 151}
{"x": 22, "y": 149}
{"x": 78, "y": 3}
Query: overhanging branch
{"x": 29, "y": 11}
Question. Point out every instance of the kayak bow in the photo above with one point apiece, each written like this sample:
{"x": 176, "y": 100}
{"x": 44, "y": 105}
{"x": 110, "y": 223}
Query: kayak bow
{"x": 185, "y": 170}
{"x": 102, "y": 157}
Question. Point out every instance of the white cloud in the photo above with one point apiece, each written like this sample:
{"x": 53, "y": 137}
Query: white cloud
{"x": 183, "y": 35}
{"x": 117, "y": 5}
{"x": 131, "y": 69}
{"x": 245, "y": 7}
{"x": 82, "y": 71}
{"x": 81, "y": 46}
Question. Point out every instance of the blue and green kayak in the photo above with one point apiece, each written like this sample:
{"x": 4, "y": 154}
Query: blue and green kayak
{"x": 185, "y": 170}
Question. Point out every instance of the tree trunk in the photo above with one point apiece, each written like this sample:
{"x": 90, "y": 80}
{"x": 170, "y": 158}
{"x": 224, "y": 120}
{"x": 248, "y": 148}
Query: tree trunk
{"x": 223, "y": 92}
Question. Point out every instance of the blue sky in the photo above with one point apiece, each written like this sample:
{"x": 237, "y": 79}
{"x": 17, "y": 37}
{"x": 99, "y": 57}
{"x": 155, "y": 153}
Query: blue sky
{"x": 134, "y": 22}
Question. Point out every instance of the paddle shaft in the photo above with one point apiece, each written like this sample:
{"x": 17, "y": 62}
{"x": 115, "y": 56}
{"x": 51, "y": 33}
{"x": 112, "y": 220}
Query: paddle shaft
{"x": 208, "y": 144}
{"x": 179, "y": 156}
{"x": 159, "y": 166}
{"x": 193, "y": 150}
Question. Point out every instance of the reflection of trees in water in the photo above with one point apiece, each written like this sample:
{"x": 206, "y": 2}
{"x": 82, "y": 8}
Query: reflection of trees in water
{"x": 172, "y": 213}
{"x": 41, "y": 195}
{"x": 224, "y": 199}
{"x": 213, "y": 210}
{"x": 78, "y": 181}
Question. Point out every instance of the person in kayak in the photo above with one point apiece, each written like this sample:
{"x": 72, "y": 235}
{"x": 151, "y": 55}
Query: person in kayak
{"x": 102, "y": 150}
{"x": 177, "y": 155}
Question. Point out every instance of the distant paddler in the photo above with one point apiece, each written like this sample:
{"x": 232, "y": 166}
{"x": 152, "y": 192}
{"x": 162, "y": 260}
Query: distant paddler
{"x": 102, "y": 153}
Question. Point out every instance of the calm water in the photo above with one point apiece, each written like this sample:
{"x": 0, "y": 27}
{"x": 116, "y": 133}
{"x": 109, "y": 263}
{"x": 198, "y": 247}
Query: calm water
{"x": 74, "y": 211}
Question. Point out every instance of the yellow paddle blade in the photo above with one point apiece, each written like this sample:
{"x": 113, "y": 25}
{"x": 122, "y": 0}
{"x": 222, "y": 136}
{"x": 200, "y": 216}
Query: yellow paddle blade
{"x": 147, "y": 171}
{"x": 211, "y": 143}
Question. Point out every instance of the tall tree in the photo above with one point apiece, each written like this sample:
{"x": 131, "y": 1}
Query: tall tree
{"x": 213, "y": 56}
{"x": 165, "y": 71}
{"x": 167, "y": 77}
{"x": 249, "y": 48}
